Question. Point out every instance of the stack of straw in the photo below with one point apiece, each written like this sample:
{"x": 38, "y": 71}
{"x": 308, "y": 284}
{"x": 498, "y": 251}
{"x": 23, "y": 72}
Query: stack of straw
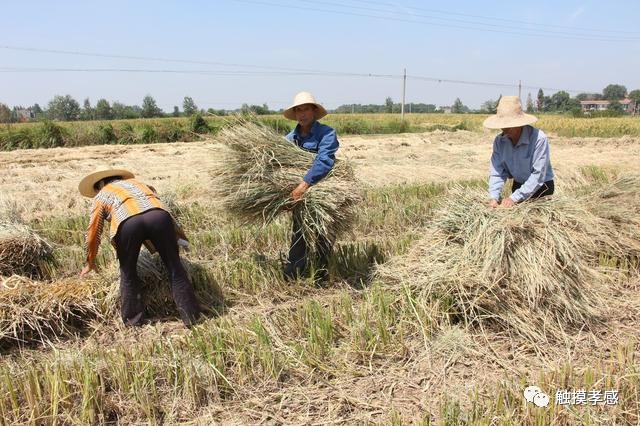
{"x": 260, "y": 170}
{"x": 532, "y": 270}
{"x": 22, "y": 252}
{"x": 31, "y": 310}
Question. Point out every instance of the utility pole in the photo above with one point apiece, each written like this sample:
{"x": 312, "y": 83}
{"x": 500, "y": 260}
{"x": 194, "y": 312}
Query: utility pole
{"x": 520, "y": 90}
{"x": 404, "y": 89}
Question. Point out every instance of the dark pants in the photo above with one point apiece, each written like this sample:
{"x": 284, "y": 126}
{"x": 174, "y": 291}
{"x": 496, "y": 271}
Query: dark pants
{"x": 157, "y": 226}
{"x": 298, "y": 264}
{"x": 546, "y": 189}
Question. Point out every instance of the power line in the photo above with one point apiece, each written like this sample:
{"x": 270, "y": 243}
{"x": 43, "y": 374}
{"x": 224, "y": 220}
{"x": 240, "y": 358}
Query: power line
{"x": 243, "y": 73}
{"x": 493, "y": 18}
{"x": 507, "y": 25}
{"x": 545, "y": 34}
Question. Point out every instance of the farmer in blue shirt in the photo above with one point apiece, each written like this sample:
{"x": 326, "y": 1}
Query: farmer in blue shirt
{"x": 520, "y": 152}
{"x": 318, "y": 138}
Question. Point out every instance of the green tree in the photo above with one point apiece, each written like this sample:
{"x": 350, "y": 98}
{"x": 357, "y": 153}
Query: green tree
{"x": 150, "y": 108}
{"x": 37, "y": 111}
{"x": 634, "y": 95}
{"x": 189, "y": 106}
{"x": 615, "y": 108}
{"x": 458, "y": 107}
{"x": 540, "y": 101}
{"x": 103, "y": 110}
{"x": 87, "y": 112}
{"x": 5, "y": 114}
{"x": 388, "y": 105}
{"x": 63, "y": 108}
{"x": 614, "y": 92}
{"x": 530, "y": 108}
{"x": 176, "y": 111}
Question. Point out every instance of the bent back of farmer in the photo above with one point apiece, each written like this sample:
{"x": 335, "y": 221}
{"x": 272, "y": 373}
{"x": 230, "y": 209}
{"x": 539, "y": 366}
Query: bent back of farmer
{"x": 137, "y": 216}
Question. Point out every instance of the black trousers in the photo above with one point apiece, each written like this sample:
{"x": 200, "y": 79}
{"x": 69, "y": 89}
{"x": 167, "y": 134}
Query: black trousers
{"x": 546, "y": 189}
{"x": 298, "y": 264}
{"x": 157, "y": 226}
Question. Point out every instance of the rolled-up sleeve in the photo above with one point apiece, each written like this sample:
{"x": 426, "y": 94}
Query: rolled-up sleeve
{"x": 498, "y": 173}
{"x": 539, "y": 166}
{"x": 325, "y": 159}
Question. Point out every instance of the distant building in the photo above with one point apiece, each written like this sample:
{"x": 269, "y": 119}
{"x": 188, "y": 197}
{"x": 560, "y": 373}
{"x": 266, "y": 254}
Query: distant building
{"x": 445, "y": 109}
{"x": 24, "y": 114}
{"x": 593, "y": 105}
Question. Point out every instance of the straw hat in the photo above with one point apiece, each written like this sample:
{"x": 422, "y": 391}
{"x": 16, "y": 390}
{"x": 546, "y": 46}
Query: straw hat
{"x": 509, "y": 114}
{"x": 86, "y": 184}
{"x": 301, "y": 99}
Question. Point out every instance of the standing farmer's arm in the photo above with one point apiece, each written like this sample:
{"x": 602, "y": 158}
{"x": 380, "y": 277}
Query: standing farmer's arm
{"x": 322, "y": 164}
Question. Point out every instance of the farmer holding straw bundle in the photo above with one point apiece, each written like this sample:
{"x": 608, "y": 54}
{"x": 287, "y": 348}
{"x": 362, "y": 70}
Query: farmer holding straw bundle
{"x": 520, "y": 152}
{"x": 320, "y": 139}
{"x": 136, "y": 216}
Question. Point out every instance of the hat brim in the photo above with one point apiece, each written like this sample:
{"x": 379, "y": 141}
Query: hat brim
{"x": 86, "y": 184}
{"x": 291, "y": 114}
{"x": 495, "y": 122}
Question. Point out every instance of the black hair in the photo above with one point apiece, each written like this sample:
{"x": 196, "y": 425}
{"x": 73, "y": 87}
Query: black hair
{"x": 106, "y": 181}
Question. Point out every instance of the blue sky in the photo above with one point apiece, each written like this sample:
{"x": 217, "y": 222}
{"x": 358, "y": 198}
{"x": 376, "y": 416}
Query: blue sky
{"x": 263, "y": 51}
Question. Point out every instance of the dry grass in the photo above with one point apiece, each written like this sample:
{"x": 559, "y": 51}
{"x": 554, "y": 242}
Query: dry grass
{"x": 22, "y": 251}
{"x": 533, "y": 270}
{"x": 261, "y": 169}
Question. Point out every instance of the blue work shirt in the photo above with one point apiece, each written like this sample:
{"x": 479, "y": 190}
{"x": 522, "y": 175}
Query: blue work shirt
{"x": 321, "y": 140}
{"x": 527, "y": 162}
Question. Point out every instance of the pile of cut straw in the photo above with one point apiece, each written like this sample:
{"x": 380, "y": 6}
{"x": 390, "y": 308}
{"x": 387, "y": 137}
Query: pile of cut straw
{"x": 533, "y": 270}
{"x": 22, "y": 251}
{"x": 32, "y": 310}
{"x": 260, "y": 170}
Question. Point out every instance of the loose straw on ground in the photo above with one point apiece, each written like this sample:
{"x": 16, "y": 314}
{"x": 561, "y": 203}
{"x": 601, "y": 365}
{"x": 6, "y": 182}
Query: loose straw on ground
{"x": 22, "y": 251}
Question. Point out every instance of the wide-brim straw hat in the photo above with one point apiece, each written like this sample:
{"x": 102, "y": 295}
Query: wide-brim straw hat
{"x": 509, "y": 114}
{"x": 86, "y": 184}
{"x": 301, "y": 99}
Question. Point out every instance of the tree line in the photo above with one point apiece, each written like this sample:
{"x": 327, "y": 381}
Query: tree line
{"x": 66, "y": 108}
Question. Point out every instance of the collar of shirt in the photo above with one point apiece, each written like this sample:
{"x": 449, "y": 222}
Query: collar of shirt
{"x": 296, "y": 131}
{"x": 524, "y": 137}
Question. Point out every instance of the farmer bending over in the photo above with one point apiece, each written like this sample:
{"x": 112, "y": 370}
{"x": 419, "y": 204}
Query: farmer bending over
{"x": 520, "y": 152}
{"x": 321, "y": 139}
{"x": 136, "y": 216}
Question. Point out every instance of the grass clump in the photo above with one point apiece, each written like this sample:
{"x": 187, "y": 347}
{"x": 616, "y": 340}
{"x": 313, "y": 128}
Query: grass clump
{"x": 22, "y": 251}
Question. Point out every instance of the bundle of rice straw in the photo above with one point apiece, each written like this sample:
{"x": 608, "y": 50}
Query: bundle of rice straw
{"x": 31, "y": 310}
{"x": 22, "y": 251}
{"x": 156, "y": 287}
{"x": 532, "y": 270}
{"x": 260, "y": 170}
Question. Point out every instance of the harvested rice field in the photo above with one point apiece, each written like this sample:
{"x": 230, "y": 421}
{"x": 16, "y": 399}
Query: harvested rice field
{"x": 439, "y": 310}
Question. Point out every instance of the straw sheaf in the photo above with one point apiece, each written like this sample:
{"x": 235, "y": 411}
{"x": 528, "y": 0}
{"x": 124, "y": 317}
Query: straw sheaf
{"x": 533, "y": 270}
{"x": 261, "y": 168}
{"x": 22, "y": 251}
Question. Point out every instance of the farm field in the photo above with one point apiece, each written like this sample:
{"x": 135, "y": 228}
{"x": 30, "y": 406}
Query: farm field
{"x": 360, "y": 350}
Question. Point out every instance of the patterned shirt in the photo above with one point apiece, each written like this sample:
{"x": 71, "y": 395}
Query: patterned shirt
{"x": 116, "y": 202}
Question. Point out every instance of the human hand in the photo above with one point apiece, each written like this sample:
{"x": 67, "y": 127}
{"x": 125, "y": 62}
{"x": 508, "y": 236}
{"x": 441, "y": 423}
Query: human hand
{"x": 508, "y": 202}
{"x": 88, "y": 268}
{"x": 493, "y": 203}
{"x": 299, "y": 191}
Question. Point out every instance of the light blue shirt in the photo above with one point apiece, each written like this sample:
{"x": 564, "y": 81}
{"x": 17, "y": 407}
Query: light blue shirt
{"x": 527, "y": 162}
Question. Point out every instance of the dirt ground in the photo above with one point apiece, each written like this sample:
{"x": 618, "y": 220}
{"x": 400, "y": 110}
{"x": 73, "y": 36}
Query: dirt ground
{"x": 44, "y": 181}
